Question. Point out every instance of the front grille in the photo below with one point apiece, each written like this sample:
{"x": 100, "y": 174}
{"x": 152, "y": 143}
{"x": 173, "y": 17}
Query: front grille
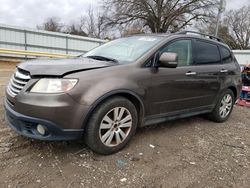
{"x": 17, "y": 82}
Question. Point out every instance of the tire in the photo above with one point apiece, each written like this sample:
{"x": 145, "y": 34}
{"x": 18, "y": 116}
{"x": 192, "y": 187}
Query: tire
{"x": 111, "y": 125}
{"x": 217, "y": 115}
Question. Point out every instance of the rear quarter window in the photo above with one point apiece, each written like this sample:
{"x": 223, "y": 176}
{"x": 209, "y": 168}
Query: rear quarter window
{"x": 206, "y": 53}
{"x": 226, "y": 55}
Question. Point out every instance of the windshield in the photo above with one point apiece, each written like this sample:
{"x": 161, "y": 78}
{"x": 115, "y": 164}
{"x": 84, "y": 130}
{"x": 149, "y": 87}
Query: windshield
{"x": 124, "y": 50}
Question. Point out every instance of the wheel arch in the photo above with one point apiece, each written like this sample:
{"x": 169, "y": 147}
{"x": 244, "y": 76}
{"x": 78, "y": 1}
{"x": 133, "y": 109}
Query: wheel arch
{"x": 130, "y": 95}
{"x": 234, "y": 90}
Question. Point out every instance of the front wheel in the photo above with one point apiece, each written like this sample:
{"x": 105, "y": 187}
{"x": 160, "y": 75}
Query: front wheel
{"x": 223, "y": 107}
{"x": 111, "y": 125}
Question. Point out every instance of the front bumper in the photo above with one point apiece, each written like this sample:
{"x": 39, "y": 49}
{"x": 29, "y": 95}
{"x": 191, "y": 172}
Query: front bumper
{"x": 26, "y": 126}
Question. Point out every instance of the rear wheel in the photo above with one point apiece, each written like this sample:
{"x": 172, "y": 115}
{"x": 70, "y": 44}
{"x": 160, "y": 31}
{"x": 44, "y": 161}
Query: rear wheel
{"x": 111, "y": 125}
{"x": 223, "y": 107}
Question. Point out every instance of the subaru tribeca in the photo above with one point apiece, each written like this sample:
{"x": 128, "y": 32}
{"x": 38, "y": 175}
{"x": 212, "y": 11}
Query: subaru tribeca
{"x": 105, "y": 94}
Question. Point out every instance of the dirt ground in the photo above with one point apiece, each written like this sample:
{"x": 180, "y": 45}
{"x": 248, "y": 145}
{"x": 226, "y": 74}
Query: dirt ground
{"x": 192, "y": 152}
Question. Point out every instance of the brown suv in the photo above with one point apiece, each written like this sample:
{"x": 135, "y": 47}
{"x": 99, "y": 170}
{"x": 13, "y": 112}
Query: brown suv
{"x": 105, "y": 94}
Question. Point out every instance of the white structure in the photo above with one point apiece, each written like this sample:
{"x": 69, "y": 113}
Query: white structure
{"x": 19, "y": 38}
{"x": 242, "y": 56}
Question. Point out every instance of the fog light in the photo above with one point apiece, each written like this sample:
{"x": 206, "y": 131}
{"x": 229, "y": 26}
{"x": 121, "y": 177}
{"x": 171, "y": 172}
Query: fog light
{"x": 40, "y": 129}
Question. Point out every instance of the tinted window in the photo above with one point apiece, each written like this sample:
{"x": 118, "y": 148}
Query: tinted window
{"x": 225, "y": 55}
{"x": 184, "y": 50}
{"x": 206, "y": 53}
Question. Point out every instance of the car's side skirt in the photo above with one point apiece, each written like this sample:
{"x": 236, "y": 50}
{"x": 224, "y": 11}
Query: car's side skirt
{"x": 160, "y": 118}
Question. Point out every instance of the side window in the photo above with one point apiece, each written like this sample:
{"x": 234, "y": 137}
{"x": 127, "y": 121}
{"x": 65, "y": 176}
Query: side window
{"x": 184, "y": 50}
{"x": 206, "y": 53}
{"x": 226, "y": 55}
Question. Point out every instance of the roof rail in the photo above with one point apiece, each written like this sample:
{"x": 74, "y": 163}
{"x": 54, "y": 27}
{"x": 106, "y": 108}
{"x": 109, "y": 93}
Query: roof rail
{"x": 201, "y": 34}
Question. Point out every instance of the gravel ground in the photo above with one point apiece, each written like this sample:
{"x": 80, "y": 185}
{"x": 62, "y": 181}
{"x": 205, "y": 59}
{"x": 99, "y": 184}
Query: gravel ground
{"x": 192, "y": 152}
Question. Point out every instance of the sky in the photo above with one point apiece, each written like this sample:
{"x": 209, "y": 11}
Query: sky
{"x": 30, "y": 13}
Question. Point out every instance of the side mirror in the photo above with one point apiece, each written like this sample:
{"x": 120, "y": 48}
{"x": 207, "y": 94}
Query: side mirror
{"x": 168, "y": 60}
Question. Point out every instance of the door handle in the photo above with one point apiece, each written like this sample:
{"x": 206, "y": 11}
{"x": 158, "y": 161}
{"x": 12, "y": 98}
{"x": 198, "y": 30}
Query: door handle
{"x": 190, "y": 73}
{"x": 223, "y": 70}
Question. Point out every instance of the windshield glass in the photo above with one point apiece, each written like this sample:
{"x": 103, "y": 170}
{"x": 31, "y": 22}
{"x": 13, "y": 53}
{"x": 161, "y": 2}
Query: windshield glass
{"x": 125, "y": 50}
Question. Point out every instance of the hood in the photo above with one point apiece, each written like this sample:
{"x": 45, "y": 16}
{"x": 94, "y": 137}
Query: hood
{"x": 60, "y": 67}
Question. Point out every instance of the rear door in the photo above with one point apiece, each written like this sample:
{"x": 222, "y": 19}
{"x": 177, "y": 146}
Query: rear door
{"x": 229, "y": 67}
{"x": 208, "y": 68}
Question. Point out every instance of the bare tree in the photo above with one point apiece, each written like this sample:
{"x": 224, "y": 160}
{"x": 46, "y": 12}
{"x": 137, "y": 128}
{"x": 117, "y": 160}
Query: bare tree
{"x": 158, "y": 15}
{"x": 238, "y": 22}
{"x": 225, "y": 35}
{"x": 223, "y": 32}
{"x": 135, "y": 28}
{"x": 75, "y": 29}
{"x": 51, "y": 24}
{"x": 94, "y": 23}
{"x": 234, "y": 29}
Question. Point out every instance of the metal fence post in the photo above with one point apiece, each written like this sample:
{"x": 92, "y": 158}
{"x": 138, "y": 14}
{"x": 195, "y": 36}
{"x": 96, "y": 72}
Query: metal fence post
{"x": 67, "y": 45}
{"x": 25, "y": 42}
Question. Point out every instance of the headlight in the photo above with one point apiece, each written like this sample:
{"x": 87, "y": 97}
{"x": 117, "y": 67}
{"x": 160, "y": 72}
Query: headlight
{"x": 55, "y": 85}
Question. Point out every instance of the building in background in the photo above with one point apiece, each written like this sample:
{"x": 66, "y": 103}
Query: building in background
{"x": 242, "y": 56}
{"x": 33, "y": 40}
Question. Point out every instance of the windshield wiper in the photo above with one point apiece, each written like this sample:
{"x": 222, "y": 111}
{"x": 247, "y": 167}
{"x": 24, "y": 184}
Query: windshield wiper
{"x": 102, "y": 58}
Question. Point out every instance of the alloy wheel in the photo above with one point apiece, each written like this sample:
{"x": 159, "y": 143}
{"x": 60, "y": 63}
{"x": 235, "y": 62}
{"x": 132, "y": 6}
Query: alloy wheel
{"x": 226, "y": 105}
{"x": 115, "y": 126}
